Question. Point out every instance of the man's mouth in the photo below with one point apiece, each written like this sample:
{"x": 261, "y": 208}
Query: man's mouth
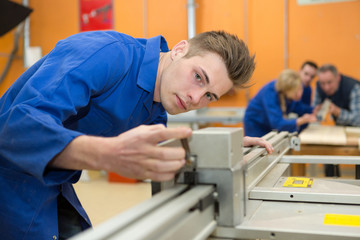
{"x": 181, "y": 104}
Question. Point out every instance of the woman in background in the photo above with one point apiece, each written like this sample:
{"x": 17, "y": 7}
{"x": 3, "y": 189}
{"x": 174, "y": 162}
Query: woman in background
{"x": 269, "y": 109}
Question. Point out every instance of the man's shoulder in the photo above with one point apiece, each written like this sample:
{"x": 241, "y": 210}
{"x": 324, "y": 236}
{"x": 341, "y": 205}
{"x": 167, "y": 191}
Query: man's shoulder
{"x": 349, "y": 78}
{"x": 270, "y": 84}
{"x": 101, "y": 38}
{"x": 267, "y": 89}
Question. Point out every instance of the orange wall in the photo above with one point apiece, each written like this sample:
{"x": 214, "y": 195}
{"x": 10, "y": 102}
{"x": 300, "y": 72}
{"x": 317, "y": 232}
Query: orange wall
{"x": 266, "y": 39}
{"x": 322, "y": 32}
{"x": 326, "y": 33}
{"x": 167, "y": 18}
{"x": 225, "y": 15}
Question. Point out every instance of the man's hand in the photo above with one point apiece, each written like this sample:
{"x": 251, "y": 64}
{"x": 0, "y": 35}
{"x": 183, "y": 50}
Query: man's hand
{"x": 133, "y": 154}
{"x": 317, "y": 109}
{"x": 255, "y": 141}
{"x": 334, "y": 110}
{"x": 306, "y": 118}
{"x": 136, "y": 153}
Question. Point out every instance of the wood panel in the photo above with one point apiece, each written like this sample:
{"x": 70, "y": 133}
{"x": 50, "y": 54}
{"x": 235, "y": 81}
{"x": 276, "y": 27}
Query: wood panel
{"x": 323, "y": 135}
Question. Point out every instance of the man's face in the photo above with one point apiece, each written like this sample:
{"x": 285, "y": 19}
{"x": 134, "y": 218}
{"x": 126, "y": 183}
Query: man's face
{"x": 307, "y": 74}
{"x": 192, "y": 83}
{"x": 329, "y": 83}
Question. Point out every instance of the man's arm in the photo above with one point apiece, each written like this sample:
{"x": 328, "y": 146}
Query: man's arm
{"x": 133, "y": 154}
{"x": 305, "y": 119}
{"x": 256, "y": 141}
{"x": 352, "y": 116}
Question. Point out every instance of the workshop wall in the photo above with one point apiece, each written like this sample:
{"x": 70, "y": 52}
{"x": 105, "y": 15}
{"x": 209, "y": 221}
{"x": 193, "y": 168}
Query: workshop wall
{"x": 327, "y": 33}
{"x": 320, "y": 32}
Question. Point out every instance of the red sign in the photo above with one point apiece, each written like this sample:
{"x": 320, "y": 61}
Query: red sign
{"x": 96, "y": 15}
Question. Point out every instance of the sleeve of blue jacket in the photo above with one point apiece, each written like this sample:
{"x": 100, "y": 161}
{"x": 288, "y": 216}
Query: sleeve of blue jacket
{"x": 32, "y": 116}
{"x": 273, "y": 112}
{"x": 300, "y": 108}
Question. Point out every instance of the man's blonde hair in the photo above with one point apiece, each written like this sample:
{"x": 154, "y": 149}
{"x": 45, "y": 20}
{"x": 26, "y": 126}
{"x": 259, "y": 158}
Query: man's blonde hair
{"x": 239, "y": 63}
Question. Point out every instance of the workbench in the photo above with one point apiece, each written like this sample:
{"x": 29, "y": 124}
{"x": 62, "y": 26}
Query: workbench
{"x": 228, "y": 191}
{"x": 319, "y": 139}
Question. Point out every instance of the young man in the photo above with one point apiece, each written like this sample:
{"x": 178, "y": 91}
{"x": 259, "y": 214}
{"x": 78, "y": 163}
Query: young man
{"x": 307, "y": 74}
{"x": 98, "y": 101}
{"x": 344, "y": 94}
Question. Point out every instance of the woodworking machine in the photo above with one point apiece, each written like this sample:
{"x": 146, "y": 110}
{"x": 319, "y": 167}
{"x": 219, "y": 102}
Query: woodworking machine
{"x": 227, "y": 191}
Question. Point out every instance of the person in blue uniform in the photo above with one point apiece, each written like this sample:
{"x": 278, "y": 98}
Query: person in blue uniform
{"x": 269, "y": 109}
{"x": 307, "y": 74}
{"x": 98, "y": 101}
{"x": 344, "y": 93}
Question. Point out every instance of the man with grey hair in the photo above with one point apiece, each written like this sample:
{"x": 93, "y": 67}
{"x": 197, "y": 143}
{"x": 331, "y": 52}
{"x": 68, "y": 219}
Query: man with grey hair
{"x": 344, "y": 94}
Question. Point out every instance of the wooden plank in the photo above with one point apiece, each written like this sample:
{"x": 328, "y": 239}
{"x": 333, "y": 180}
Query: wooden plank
{"x": 323, "y": 135}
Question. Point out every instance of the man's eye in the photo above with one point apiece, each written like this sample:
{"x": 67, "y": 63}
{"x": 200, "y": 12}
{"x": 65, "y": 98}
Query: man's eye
{"x": 209, "y": 96}
{"x": 198, "y": 77}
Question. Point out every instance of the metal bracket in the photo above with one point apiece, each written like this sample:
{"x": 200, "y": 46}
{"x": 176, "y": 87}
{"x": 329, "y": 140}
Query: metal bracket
{"x": 295, "y": 143}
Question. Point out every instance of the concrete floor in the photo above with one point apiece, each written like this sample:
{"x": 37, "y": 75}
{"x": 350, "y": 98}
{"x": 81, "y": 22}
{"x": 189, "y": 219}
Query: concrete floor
{"x": 103, "y": 200}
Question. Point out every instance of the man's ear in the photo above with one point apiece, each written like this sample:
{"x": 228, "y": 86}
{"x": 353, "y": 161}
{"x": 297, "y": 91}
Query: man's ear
{"x": 338, "y": 77}
{"x": 180, "y": 49}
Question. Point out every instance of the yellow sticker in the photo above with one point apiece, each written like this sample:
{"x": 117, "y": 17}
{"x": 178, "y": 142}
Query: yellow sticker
{"x": 300, "y": 182}
{"x": 340, "y": 219}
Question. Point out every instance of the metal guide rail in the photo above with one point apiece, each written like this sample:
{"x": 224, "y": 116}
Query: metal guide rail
{"x": 226, "y": 191}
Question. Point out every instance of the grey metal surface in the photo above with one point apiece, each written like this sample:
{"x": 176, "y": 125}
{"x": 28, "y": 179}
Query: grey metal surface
{"x": 269, "y": 180}
{"x": 355, "y": 182}
{"x": 230, "y": 191}
{"x": 322, "y": 191}
{"x": 196, "y": 225}
{"x": 280, "y": 142}
{"x": 289, "y": 220}
{"x": 220, "y": 163}
{"x": 315, "y": 159}
{"x": 191, "y": 16}
{"x": 155, "y": 217}
{"x": 217, "y": 147}
{"x": 252, "y": 202}
{"x": 133, "y": 214}
{"x": 210, "y": 115}
{"x": 214, "y": 147}
{"x": 160, "y": 221}
{"x": 261, "y": 164}
{"x": 272, "y": 178}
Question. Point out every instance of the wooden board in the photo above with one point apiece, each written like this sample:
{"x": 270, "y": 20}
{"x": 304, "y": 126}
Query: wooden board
{"x": 323, "y": 135}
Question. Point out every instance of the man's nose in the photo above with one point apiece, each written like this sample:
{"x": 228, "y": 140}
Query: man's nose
{"x": 326, "y": 87}
{"x": 196, "y": 96}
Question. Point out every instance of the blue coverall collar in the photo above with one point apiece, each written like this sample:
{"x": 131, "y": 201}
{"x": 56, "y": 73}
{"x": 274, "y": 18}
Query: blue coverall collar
{"x": 148, "y": 71}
